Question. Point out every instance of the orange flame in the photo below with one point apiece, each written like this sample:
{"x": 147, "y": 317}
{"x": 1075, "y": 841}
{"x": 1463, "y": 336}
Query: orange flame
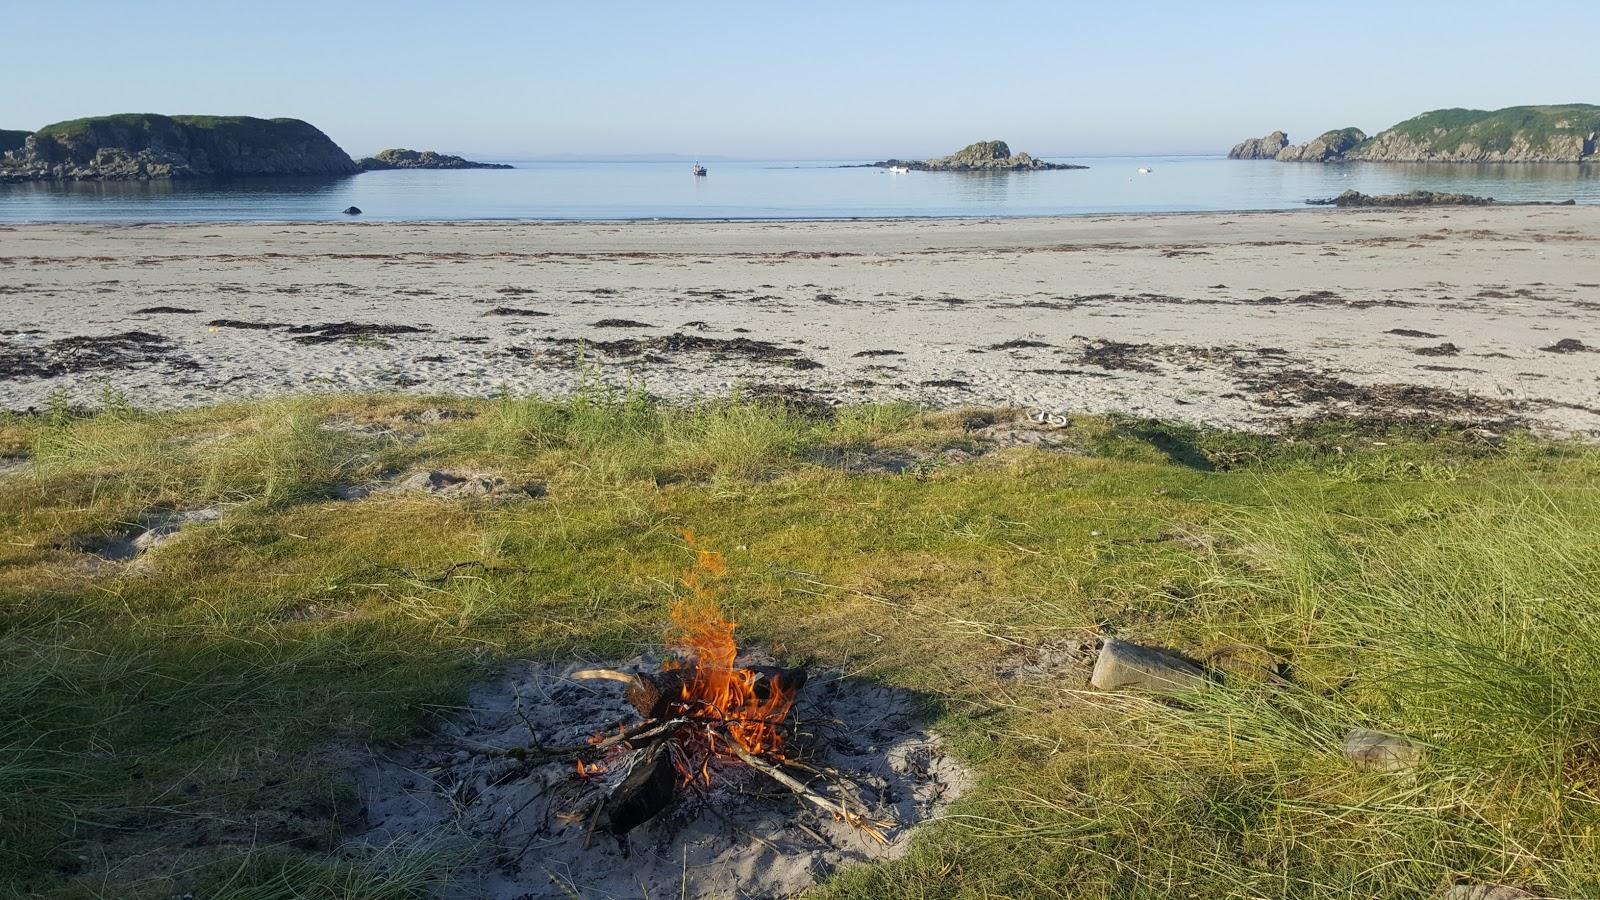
{"x": 747, "y": 708}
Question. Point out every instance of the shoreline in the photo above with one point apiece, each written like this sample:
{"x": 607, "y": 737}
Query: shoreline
{"x": 690, "y": 220}
{"x": 1249, "y": 320}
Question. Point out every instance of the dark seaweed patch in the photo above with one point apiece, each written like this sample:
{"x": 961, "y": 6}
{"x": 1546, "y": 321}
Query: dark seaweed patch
{"x": 514, "y": 311}
{"x": 89, "y": 353}
{"x": 339, "y": 331}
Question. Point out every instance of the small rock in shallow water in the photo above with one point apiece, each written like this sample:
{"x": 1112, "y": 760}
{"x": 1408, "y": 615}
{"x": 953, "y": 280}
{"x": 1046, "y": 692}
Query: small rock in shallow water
{"x": 1124, "y": 666}
{"x": 1380, "y": 751}
{"x": 352, "y": 210}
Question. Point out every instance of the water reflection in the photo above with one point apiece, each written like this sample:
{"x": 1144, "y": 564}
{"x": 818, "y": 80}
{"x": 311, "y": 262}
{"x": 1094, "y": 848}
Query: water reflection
{"x": 779, "y": 189}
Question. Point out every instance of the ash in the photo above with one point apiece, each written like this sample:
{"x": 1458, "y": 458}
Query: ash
{"x": 488, "y": 788}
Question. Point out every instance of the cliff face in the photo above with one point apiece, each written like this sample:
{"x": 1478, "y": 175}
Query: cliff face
{"x": 1567, "y": 133}
{"x": 143, "y": 146}
{"x": 425, "y": 159}
{"x": 1260, "y": 148}
{"x": 983, "y": 156}
{"x": 12, "y": 140}
{"x": 1327, "y": 146}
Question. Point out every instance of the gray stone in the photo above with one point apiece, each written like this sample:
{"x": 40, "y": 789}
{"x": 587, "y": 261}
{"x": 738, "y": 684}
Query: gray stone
{"x": 454, "y": 485}
{"x": 1125, "y": 666}
{"x": 168, "y": 527}
{"x": 1380, "y": 751}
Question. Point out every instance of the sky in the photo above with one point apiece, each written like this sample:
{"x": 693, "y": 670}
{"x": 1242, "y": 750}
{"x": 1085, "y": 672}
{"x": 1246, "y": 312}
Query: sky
{"x": 813, "y": 80}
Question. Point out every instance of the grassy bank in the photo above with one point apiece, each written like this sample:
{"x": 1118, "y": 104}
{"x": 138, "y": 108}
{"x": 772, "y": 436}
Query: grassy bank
{"x": 180, "y": 722}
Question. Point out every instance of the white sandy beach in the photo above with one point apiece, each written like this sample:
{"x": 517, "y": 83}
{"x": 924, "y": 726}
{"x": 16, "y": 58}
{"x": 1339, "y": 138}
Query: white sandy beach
{"x": 1229, "y": 319}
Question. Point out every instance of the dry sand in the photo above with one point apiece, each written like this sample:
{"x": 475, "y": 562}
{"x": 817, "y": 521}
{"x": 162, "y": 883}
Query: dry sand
{"x": 1230, "y": 319}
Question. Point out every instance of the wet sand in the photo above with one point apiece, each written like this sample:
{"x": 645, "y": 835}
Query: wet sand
{"x": 1481, "y": 315}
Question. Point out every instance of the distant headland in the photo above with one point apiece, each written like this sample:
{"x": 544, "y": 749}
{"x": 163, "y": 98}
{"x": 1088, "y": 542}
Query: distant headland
{"x": 1517, "y": 134}
{"x": 146, "y": 147}
{"x": 983, "y": 156}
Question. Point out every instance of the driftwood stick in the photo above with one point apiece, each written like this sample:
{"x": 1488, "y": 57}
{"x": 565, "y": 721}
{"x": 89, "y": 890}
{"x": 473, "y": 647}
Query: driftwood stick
{"x": 870, "y": 826}
{"x": 604, "y": 675}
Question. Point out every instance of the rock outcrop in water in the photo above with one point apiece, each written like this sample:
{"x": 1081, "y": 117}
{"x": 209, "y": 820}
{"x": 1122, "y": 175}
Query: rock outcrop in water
{"x": 984, "y": 156}
{"x": 1261, "y": 147}
{"x": 420, "y": 159}
{"x": 1330, "y": 145}
{"x": 144, "y": 146}
{"x": 1413, "y": 198}
{"x": 1564, "y": 133}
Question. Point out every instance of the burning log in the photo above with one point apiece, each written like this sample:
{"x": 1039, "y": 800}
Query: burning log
{"x": 649, "y": 787}
{"x": 651, "y": 693}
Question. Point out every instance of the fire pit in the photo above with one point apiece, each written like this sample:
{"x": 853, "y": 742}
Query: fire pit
{"x": 700, "y": 774}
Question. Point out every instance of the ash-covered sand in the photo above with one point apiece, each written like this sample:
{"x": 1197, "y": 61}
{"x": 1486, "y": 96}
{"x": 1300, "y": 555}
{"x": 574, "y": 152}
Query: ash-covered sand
{"x": 1483, "y": 314}
{"x": 460, "y": 791}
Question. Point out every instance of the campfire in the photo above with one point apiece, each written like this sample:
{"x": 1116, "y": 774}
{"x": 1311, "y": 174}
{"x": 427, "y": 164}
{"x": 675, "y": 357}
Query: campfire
{"x": 717, "y": 772}
{"x": 705, "y": 722}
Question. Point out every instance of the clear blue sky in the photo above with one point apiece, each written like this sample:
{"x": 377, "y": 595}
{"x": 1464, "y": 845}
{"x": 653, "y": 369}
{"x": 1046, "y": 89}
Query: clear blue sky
{"x": 797, "y": 80}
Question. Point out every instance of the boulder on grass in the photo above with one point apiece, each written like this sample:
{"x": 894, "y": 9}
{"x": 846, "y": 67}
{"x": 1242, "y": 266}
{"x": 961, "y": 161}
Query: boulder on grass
{"x": 1124, "y": 666}
{"x": 1380, "y": 751}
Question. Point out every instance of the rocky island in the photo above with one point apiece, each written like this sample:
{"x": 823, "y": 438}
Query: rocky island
{"x": 400, "y": 158}
{"x": 1517, "y": 134}
{"x": 1327, "y": 146}
{"x": 1261, "y": 147}
{"x": 983, "y": 156}
{"x": 143, "y": 146}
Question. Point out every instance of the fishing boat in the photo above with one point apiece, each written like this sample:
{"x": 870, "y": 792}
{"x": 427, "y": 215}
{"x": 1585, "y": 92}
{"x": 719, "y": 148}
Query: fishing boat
{"x": 1143, "y": 171}
{"x": 699, "y": 169}
{"x": 899, "y": 170}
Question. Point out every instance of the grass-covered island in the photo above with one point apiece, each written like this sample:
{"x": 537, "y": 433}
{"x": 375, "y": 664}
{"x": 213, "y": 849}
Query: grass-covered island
{"x": 145, "y": 146}
{"x": 1556, "y": 133}
{"x": 210, "y": 618}
{"x": 983, "y": 156}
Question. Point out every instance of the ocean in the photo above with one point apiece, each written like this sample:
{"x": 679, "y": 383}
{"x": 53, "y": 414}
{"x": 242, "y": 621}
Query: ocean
{"x": 775, "y": 189}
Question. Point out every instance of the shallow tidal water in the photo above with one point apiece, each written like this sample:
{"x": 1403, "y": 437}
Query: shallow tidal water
{"x": 779, "y": 190}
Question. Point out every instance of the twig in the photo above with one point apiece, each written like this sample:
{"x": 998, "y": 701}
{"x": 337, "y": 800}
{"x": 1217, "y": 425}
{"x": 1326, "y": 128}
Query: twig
{"x": 870, "y": 826}
{"x": 604, "y": 675}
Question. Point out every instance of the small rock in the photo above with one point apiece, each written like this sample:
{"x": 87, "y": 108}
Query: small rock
{"x": 463, "y": 486}
{"x": 1470, "y": 891}
{"x": 1380, "y": 751}
{"x": 1125, "y": 666}
{"x": 1566, "y": 345}
{"x": 352, "y": 210}
{"x": 168, "y": 527}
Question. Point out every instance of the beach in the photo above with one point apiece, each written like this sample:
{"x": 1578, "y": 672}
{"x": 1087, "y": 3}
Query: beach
{"x": 1485, "y": 316}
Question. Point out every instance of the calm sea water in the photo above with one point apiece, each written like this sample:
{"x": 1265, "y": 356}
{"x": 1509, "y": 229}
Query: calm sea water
{"x": 779, "y": 190}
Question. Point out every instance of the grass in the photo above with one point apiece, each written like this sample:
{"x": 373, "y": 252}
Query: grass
{"x": 180, "y": 725}
{"x": 240, "y": 127}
